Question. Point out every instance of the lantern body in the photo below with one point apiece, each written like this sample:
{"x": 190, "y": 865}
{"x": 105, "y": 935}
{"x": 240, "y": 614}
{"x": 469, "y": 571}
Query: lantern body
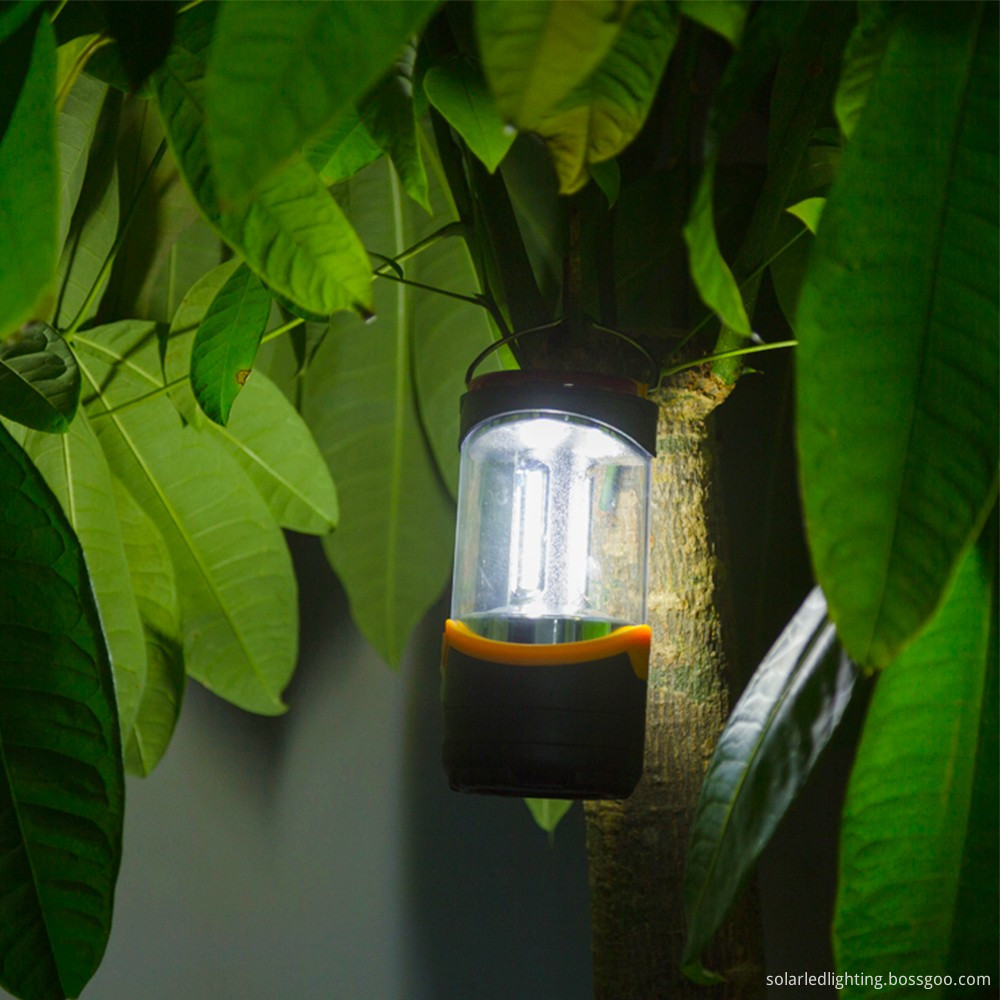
{"x": 545, "y": 653}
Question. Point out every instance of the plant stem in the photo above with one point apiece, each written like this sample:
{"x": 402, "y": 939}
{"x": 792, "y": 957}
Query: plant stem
{"x": 451, "y": 229}
{"x": 726, "y": 354}
{"x": 69, "y": 333}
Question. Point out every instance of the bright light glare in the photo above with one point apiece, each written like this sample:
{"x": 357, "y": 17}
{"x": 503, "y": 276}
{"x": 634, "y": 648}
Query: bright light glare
{"x": 527, "y": 536}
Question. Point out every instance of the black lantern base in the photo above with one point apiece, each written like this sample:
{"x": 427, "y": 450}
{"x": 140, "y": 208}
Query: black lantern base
{"x": 561, "y": 730}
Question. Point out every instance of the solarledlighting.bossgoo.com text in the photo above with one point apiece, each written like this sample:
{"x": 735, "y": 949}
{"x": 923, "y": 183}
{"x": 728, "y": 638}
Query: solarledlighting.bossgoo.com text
{"x": 840, "y": 980}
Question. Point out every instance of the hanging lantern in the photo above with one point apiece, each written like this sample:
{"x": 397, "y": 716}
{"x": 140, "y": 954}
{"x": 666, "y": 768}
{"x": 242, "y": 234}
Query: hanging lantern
{"x": 546, "y": 653}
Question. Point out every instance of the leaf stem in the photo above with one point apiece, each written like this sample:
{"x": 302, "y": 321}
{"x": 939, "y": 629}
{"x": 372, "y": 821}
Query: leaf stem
{"x": 673, "y": 370}
{"x": 451, "y": 229}
{"x": 69, "y": 333}
{"x": 283, "y": 329}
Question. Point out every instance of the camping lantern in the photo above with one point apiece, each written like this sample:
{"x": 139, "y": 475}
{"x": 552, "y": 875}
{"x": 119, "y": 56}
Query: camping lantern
{"x": 545, "y": 655}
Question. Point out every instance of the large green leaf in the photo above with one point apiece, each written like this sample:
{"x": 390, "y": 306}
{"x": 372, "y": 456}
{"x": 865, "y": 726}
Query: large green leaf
{"x": 75, "y": 127}
{"x": 75, "y": 469}
{"x": 342, "y": 150}
{"x": 393, "y": 549}
{"x": 535, "y": 52}
{"x": 155, "y": 590}
{"x": 90, "y": 239}
{"x": 388, "y": 114}
{"x": 234, "y": 574}
{"x": 265, "y": 433}
{"x": 771, "y": 742}
{"x": 61, "y": 782}
{"x": 601, "y": 117}
{"x": 907, "y": 816}
{"x": 195, "y": 251}
{"x": 897, "y": 363}
{"x": 29, "y": 182}
{"x": 226, "y": 342}
{"x": 458, "y": 90}
{"x": 709, "y": 271}
{"x": 308, "y": 62}
{"x": 39, "y": 379}
{"x": 292, "y": 233}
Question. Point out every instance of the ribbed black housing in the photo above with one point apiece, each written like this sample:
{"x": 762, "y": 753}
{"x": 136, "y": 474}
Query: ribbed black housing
{"x": 566, "y": 731}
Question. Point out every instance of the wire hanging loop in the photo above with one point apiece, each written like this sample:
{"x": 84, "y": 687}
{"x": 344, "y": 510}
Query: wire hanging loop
{"x": 654, "y": 367}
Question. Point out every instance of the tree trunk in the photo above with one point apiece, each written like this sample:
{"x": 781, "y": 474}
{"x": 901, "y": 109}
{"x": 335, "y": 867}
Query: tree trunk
{"x": 637, "y": 847}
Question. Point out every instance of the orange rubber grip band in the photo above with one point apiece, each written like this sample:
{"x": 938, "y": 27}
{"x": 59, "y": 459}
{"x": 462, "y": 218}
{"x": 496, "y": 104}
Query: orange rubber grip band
{"x": 633, "y": 640}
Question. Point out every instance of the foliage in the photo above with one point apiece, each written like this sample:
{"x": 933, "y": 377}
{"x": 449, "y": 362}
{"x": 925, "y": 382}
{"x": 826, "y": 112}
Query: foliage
{"x": 246, "y": 253}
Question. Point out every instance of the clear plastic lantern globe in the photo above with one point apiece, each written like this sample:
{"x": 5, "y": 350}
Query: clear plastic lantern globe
{"x": 545, "y": 654}
{"x": 551, "y": 538}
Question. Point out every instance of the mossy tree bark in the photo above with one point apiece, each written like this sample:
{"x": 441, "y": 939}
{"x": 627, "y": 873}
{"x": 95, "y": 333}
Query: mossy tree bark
{"x": 637, "y": 847}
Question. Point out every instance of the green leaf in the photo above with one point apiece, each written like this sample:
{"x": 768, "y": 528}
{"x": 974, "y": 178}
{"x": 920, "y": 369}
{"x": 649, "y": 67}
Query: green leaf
{"x": 897, "y": 363}
{"x": 788, "y": 268}
{"x": 292, "y": 234}
{"x": 975, "y": 933}
{"x": 191, "y": 256}
{"x": 602, "y": 116}
{"x": 265, "y": 433}
{"x": 536, "y": 52}
{"x": 168, "y": 244}
{"x": 709, "y": 270}
{"x": 90, "y": 239}
{"x": 393, "y": 548}
{"x": 548, "y": 812}
{"x": 809, "y": 211}
{"x": 29, "y": 183}
{"x": 311, "y": 62}
{"x": 608, "y": 177}
{"x": 772, "y": 740}
{"x": 447, "y": 334}
{"x": 725, "y": 17}
{"x": 61, "y": 783}
{"x": 39, "y": 379}
{"x": 862, "y": 57}
{"x": 906, "y": 817}
{"x": 75, "y": 469}
{"x": 155, "y": 590}
{"x": 227, "y": 341}
{"x": 342, "y": 150}
{"x": 388, "y": 113}
{"x": 457, "y": 89}
{"x": 234, "y": 574}
{"x": 76, "y": 124}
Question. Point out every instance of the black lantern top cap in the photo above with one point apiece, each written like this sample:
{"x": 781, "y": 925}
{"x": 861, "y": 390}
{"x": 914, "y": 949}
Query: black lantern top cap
{"x": 618, "y": 402}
